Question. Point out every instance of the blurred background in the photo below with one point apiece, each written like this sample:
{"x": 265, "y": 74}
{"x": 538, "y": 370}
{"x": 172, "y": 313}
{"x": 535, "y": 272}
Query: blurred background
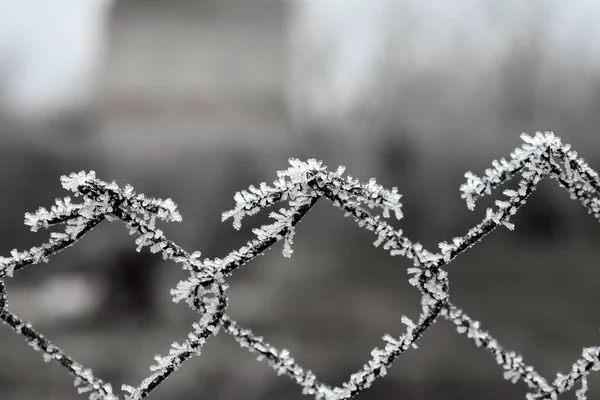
{"x": 196, "y": 99}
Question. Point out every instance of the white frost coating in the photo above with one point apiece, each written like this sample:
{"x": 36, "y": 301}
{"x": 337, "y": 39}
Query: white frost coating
{"x": 582, "y": 392}
{"x": 300, "y": 186}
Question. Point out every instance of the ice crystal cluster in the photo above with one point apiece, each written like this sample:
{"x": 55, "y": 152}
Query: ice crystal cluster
{"x": 299, "y": 188}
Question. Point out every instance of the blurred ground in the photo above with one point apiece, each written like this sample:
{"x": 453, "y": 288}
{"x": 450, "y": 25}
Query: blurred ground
{"x": 195, "y": 100}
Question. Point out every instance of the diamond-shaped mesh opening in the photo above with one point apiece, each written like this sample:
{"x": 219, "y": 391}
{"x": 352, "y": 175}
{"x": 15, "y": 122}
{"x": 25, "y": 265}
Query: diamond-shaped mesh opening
{"x": 100, "y": 302}
{"x": 311, "y": 302}
{"x": 536, "y": 293}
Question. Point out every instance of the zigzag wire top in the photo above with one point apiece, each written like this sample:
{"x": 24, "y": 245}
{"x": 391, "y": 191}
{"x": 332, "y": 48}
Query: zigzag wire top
{"x": 301, "y": 186}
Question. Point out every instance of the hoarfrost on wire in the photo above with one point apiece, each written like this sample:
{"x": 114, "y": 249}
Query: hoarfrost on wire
{"x": 369, "y": 204}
